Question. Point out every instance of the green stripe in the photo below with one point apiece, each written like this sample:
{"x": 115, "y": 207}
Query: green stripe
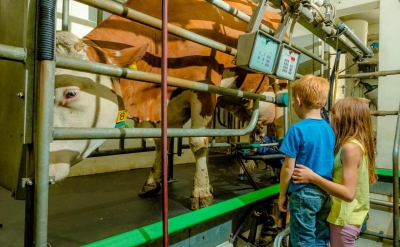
{"x": 154, "y": 231}
{"x": 386, "y": 172}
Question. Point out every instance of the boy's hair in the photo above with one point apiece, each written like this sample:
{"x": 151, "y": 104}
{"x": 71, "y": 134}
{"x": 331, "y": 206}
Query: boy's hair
{"x": 312, "y": 90}
{"x": 351, "y": 119}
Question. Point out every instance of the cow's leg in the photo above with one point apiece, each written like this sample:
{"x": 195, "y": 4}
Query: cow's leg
{"x": 202, "y": 191}
{"x": 153, "y": 183}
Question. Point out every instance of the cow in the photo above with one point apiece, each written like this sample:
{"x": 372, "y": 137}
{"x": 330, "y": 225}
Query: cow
{"x": 126, "y": 43}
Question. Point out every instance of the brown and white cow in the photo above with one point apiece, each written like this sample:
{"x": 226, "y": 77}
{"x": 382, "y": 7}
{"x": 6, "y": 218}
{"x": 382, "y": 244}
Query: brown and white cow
{"x": 118, "y": 41}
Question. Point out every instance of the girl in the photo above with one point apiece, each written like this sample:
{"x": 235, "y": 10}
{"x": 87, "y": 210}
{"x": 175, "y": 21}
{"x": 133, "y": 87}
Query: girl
{"x": 354, "y": 170}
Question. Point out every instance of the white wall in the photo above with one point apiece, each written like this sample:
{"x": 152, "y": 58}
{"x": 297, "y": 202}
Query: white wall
{"x": 389, "y": 86}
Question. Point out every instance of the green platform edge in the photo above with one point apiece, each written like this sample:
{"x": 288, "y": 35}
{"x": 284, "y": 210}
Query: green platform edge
{"x": 152, "y": 232}
{"x": 386, "y": 172}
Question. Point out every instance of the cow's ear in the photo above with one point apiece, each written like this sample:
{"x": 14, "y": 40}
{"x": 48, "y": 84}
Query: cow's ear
{"x": 128, "y": 56}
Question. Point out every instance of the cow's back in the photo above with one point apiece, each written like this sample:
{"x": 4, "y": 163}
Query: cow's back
{"x": 186, "y": 59}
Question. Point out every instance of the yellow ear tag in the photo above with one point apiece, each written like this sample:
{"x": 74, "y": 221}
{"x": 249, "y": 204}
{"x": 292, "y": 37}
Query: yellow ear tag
{"x": 122, "y": 116}
{"x": 133, "y": 66}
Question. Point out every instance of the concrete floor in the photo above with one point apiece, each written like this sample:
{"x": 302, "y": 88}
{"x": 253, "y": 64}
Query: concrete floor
{"x": 89, "y": 208}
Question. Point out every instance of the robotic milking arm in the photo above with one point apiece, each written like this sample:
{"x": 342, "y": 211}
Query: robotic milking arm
{"x": 256, "y": 47}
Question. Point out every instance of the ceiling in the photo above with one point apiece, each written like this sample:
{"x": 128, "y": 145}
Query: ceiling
{"x": 371, "y": 16}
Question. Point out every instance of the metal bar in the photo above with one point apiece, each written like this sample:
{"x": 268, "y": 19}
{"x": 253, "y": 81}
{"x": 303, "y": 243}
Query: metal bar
{"x": 381, "y": 203}
{"x": 164, "y": 121}
{"x": 396, "y": 184}
{"x": 355, "y": 40}
{"x": 376, "y": 234}
{"x": 246, "y": 172}
{"x": 322, "y": 68}
{"x": 118, "y": 9}
{"x": 122, "y": 144}
{"x": 111, "y": 70}
{"x": 150, "y": 233}
{"x": 219, "y": 117}
{"x": 114, "y": 133}
{"x": 257, "y": 16}
{"x": 242, "y": 16}
{"x": 384, "y": 113}
{"x": 323, "y": 31}
{"x": 143, "y": 143}
{"x": 99, "y": 16}
{"x": 29, "y": 216}
{"x": 12, "y": 53}
{"x": 371, "y": 75}
{"x": 180, "y": 147}
{"x": 98, "y": 153}
{"x": 171, "y": 153}
{"x": 65, "y": 15}
{"x": 286, "y": 119}
{"x": 42, "y": 152}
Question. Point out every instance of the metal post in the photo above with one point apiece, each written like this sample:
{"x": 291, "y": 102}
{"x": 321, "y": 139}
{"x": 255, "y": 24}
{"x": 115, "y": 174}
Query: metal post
{"x": 99, "y": 16}
{"x": 164, "y": 120}
{"x": 396, "y": 184}
{"x": 171, "y": 149}
{"x": 257, "y": 16}
{"x": 42, "y": 152}
{"x": 65, "y": 15}
{"x": 44, "y": 115}
{"x": 286, "y": 119}
{"x": 29, "y": 195}
{"x": 180, "y": 146}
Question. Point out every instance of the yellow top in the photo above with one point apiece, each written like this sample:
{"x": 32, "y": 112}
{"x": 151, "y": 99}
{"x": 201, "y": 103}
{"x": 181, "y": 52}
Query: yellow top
{"x": 353, "y": 213}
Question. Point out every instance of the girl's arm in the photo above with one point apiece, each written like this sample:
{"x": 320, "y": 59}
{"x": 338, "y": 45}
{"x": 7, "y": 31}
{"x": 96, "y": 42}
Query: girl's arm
{"x": 351, "y": 158}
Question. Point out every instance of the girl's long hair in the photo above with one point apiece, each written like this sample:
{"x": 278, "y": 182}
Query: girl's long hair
{"x": 351, "y": 119}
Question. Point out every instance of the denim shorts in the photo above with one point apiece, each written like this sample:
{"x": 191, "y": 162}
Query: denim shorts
{"x": 309, "y": 207}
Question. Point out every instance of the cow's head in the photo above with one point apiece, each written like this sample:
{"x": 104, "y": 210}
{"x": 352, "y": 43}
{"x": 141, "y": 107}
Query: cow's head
{"x": 82, "y": 100}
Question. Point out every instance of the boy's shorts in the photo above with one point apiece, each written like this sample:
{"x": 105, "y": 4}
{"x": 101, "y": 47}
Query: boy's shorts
{"x": 309, "y": 207}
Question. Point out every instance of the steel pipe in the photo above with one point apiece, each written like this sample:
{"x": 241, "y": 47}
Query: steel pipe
{"x": 377, "y": 234}
{"x": 370, "y": 75}
{"x": 42, "y": 153}
{"x": 12, "y": 53}
{"x": 396, "y": 184}
{"x": 242, "y": 16}
{"x": 322, "y": 31}
{"x": 381, "y": 203}
{"x": 114, "y": 133}
{"x": 65, "y": 15}
{"x": 383, "y": 113}
{"x": 112, "y": 70}
{"x": 354, "y": 39}
{"x": 164, "y": 122}
{"x": 118, "y": 9}
{"x": 99, "y": 16}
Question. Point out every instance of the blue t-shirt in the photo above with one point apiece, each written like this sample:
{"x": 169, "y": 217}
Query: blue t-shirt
{"x": 311, "y": 142}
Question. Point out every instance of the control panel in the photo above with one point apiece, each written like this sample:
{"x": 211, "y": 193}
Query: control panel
{"x": 288, "y": 63}
{"x": 257, "y": 51}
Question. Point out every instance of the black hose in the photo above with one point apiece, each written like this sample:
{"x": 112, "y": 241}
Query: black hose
{"x": 46, "y": 29}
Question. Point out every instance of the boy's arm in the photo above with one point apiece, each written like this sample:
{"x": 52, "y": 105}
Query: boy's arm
{"x": 286, "y": 174}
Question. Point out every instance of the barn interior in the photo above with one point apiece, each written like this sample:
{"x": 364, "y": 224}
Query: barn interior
{"x": 98, "y": 204}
